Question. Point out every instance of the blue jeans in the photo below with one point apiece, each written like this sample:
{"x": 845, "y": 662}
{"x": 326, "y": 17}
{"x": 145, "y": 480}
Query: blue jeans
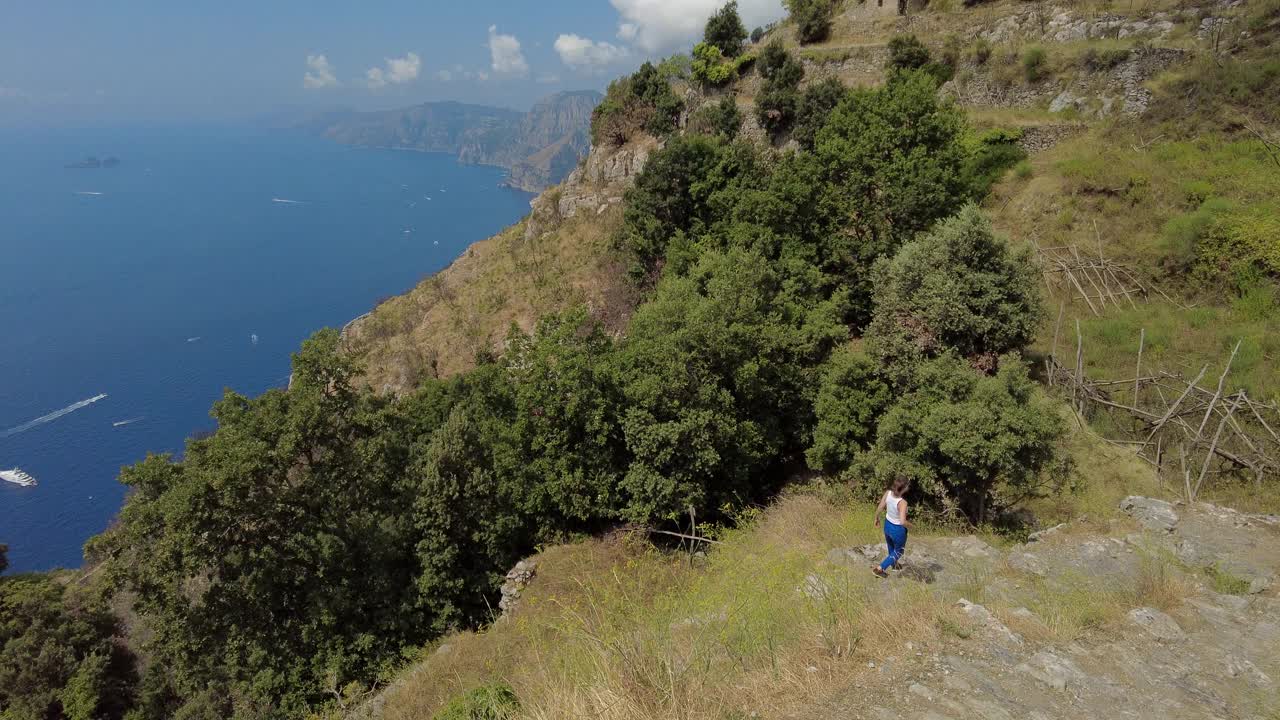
{"x": 895, "y": 536}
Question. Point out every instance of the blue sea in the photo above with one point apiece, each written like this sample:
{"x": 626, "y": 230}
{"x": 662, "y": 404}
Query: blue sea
{"x": 199, "y": 263}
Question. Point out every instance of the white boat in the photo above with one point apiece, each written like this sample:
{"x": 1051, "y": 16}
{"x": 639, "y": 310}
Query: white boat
{"x": 17, "y": 477}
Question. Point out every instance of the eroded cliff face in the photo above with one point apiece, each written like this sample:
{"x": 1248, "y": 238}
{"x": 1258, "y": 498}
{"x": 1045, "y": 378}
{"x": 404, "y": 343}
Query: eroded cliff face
{"x": 539, "y": 147}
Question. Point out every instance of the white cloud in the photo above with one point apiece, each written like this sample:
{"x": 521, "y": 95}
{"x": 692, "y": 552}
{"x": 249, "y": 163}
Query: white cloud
{"x": 397, "y": 72}
{"x": 405, "y": 69}
{"x": 664, "y": 24}
{"x": 582, "y": 53}
{"x": 505, "y": 50}
{"x": 319, "y": 74}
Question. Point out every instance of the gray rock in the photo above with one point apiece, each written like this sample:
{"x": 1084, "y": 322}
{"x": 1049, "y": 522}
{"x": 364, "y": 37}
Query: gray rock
{"x": 516, "y": 581}
{"x": 1053, "y": 670}
{"x": 814, "y": 587}
{"x": 1028, "y": 563}
{"x": 1157, "y": 623}
{"x": 1153, "y": 514}
{"x": 972, "y": 547}
{"x": 983, "y": 617}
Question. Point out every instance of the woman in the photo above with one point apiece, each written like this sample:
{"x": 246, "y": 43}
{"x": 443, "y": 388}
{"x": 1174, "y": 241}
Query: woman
{"x": 896, "y": 524}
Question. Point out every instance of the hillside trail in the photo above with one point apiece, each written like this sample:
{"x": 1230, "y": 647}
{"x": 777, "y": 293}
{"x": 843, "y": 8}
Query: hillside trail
{"x": 1204, "y": 655}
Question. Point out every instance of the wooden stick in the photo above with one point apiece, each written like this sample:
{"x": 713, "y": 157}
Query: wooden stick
{"x": 1173, "y": 408}
{"x": 1186, "y": 475}
{"x": 682, "y": 535}
{"x": 1079, "y": 382}
{"x": 1222, "y": 379}
{"x": 1204, "y": 469}
{"x": 1142, "y": 340}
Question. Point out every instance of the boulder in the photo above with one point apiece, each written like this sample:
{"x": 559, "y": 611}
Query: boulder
{"x": 1156, "y": 623}
{"x": 1153, "y": 514}
{"x": 517, "y": 580}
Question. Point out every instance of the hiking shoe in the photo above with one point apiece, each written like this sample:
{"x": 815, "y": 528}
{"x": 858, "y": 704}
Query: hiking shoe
{"x": 879, "y": 573}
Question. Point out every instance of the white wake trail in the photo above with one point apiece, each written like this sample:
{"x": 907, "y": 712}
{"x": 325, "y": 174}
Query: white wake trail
{"x": 52, "y": 416}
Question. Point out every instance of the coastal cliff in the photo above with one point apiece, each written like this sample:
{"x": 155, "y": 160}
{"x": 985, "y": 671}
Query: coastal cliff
{"x": 539, "y": 148}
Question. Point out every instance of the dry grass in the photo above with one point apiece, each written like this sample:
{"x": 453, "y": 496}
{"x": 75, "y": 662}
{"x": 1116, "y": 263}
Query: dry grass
{"x": 437, "y": 328}
{"x": 614, "y": 629}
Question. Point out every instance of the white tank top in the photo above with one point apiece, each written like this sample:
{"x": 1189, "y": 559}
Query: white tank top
{"x": 891, "y": 508}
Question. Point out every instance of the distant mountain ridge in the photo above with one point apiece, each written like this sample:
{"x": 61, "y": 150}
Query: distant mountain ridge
{"x": 539, "y": 148}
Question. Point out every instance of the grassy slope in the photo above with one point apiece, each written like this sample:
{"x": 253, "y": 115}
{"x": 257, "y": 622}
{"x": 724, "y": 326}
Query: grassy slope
{"x": 612, "y": 628}
{"x": 438, "y": 327}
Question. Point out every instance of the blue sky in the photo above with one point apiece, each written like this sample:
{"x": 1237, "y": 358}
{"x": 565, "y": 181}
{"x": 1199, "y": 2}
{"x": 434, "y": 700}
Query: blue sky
{"x": 86, "y": 61}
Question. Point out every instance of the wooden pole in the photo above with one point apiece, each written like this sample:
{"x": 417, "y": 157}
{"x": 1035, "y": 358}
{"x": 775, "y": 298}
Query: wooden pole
{"x": 1213, "y": 447}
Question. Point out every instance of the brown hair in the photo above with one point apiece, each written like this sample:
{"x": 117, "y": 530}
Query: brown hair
{"x": 901, "y": 485}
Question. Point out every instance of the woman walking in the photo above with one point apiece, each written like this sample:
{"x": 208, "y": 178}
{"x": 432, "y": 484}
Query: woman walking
{"x": 895, "y": 525}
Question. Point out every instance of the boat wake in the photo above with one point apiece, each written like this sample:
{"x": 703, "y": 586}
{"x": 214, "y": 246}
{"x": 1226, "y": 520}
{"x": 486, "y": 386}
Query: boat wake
{"x": 288, "y": 202}
{"x": 194, "y": 339}
{"x": 88, "y": 192}
{"x": 51, "y": 416}
{"x": 122, "y": 423}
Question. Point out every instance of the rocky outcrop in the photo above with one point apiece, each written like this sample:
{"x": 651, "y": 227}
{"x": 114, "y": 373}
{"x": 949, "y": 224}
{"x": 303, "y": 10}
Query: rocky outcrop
{"x": 1195, "y": 655}
{"x": 596, "y": 184}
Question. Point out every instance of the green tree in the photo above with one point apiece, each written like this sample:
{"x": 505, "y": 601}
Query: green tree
{"x": 973, "y": 443}
{"x": 850, "y": 399}
{"x": 779, "y": 99}
{"x": 813, "y": 18}
{"x": 716, "y": 373}
{"x": 4, "y": 557}
{"x": 722, "y": 119}
{"x": 278, "y": 557}
{"x": 757, "y": 35}
{"x": 816, "y": 103}
{"x": 887, "y": 164}
{"x": 960, "y": 288}
{"x": 668, "y": 201}
{"x": 566, "y": 404}
{"x": 57, "y": 654}
{"x": 725, "y": 30}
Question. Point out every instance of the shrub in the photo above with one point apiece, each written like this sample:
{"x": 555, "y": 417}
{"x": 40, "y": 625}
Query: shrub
{"x": 725, "y": 30}
{"x": 487, "y": 702}
{"x": 958, "y": 289}
{"x": 709, "y": 66}
{"x": 757, "y": 35}
{"x": 906, "y": 52}
{"x": 642, "y": 102}
{"x": 993, "y": 153}
{"x": 1095, "y": 59}
{"x": 973, "y": 444}
{"x": 816, "y": 103}
{"x": 812, "y": 18}
{"x": 851, "y": 398}
{"x": 981, "y": 51}
{"x": 1034, "y": 63}
{"x": 722, "y": 119}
